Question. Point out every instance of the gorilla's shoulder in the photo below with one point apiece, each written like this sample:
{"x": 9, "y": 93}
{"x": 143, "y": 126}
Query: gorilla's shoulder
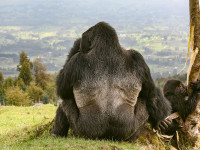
{"x": 134, "y": 54}
{"x": 77, "y": 60}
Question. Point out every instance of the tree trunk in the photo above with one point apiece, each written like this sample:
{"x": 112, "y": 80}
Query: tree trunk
{"x": 190, "y": 128}
{"x": 194, "y": 69}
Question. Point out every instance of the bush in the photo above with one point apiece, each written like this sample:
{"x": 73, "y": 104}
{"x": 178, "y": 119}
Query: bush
{"x": 45, "y": 99}
{"x": 35, "y": 93}
{"x": 8, "y": 83}
{"x": 15, "y": 96}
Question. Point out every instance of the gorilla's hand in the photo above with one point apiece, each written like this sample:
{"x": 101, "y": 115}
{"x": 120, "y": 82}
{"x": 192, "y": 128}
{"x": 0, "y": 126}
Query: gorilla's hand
{"x": 165, "y": 124}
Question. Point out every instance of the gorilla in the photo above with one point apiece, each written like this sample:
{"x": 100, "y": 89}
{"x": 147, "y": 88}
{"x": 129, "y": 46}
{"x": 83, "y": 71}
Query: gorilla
{"x": 176, "y": 92}
{"x": 107, "y": 91}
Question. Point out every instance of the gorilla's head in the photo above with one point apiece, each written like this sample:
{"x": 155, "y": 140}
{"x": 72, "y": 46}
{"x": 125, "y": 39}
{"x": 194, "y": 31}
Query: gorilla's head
{"x": 174, "y": 86}
{"x": 99, "y": 36}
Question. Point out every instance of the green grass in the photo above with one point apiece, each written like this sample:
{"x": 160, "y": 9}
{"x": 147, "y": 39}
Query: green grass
{"x": 71, "y": 143}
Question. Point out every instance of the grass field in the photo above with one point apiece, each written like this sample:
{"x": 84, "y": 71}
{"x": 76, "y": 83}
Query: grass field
{"x": 19, "y": 130}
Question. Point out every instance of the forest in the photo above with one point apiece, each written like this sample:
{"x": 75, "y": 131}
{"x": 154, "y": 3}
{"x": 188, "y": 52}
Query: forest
{"x": 32, "y": 85}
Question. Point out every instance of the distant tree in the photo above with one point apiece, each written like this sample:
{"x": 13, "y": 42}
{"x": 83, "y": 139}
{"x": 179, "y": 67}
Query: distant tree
{"x": 20, "y": 83}
{"x": 50, "y": 95}
{"x": 25, "y": 73}
{"x": 51, "y": 92}
{"x": 17, "y": 97}
{"x": 41, "y": 77}
{"x": 23, "y": 58}
{"x": 1, "y": 79}
{"x": 35, "y": 93}
{"x": 24, "y": 67}
{"x": 1, "y": 89}
{"x": 8, "y": 83}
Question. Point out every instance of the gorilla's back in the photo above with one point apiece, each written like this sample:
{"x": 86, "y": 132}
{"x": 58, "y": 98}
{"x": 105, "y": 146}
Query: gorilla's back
{"x": 107, "y": 96}
{"x": 107, "y": 84}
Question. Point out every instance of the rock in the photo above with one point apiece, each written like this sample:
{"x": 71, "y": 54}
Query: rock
{"x": 2, "y": 107}
{"x": 38, "y": 104}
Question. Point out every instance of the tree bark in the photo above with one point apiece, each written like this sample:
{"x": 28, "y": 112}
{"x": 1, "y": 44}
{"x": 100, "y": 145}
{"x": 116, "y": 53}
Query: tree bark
{"x": 194, "y": 68}
{"x": 190, "y": 127}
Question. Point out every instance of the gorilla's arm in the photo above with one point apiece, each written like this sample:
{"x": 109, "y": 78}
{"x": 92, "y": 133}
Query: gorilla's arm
{"x": 70, "y": 73}
{"x": 69, "y": 76}
{"x": 158, "y": 107}
{"x": 64, "y": 84}
{"x": 186, "y": 107}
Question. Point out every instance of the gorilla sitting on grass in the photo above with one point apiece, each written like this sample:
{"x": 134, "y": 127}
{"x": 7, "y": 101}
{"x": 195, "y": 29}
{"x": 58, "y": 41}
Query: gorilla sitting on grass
{"x": 107, "y": 91}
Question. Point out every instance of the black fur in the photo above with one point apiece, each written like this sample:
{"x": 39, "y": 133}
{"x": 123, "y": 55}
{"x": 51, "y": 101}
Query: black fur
{"x": 107, "y": 92}
{"x": 176, "y": 92}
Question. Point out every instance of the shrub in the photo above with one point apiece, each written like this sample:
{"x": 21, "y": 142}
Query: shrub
{"x": 35, "y": 93}
{"x": 15, "y": 96}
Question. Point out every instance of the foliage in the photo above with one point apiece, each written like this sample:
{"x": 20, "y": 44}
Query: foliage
{"x": 24, "y": 68}
{"x": 35, "y": 93}
{"x": 51, "y": 92}
{"x": 1, "y": 89}
{"x": 22, "y": 60}
{"x": 15, "y": 96}
{"x": 25, "y": 73}
{"x": 42, "y": 88}
{"x": 20, "y": 83}
{"x": 1, "y": 79}
{"x": 8, "y": 83}
{"x": 2, "y": 96}
{"x": 41, "y": 77}
{"x": 45, "y": 99}
{"x": 51, "y": 89}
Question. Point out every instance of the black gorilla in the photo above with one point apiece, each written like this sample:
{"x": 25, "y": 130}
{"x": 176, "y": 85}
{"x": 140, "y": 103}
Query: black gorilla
{"x": 176, "y": 92}
{"x": 107, "y": 91}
